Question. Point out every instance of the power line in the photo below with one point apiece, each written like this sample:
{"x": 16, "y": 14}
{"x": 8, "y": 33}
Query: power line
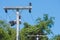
{"x": 32, "y": 17}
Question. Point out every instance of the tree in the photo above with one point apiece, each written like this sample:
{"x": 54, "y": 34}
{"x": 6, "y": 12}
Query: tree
{"x": 46, "y": 23}
{"x": 43, "y": 27}
{"x": 6, "y": 32}
{"x": 3, "y": 35}
{"x": 56, "y": 37}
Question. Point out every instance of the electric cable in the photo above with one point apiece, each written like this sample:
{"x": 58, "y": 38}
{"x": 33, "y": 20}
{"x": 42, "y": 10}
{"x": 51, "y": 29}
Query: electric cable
{"x": 32, "y": 17}
{"x": 8, "y": 16}
{"x": 1, "y": 17}
{"x": 21, "y": 16}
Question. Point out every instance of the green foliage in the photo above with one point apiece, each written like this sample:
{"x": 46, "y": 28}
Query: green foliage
{"x": 6, "y": 32}
{"x": 56, "y": 37}
{"x": 12, "y": 33}
{"x": 3, "y": 35}
{"x": 45, "y": 23}
{"x": 43, "y": 27}
{"x": 26, "y": 25}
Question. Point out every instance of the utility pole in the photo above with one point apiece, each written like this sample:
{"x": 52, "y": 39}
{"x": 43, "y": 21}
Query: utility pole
{"x": 17, "y": 15}
{"x": 37, "y": 36}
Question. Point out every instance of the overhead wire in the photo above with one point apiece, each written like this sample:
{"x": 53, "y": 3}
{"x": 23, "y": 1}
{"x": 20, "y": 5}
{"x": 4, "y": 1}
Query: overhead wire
{"x": 22, "y": 19}
{"x": 6, "y": 17}
{"x": 9, "y": 16}
{"x": 32, "y": 17}
{"x": 1, "y": 17}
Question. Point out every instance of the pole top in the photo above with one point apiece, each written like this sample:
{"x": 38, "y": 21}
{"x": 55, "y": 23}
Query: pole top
{"x": 19, "y": 8}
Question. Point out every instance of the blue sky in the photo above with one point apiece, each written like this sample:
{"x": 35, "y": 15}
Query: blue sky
{"x": 39, "y": 7}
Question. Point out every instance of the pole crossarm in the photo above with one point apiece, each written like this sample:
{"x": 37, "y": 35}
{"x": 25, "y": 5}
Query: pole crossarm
{"x": 36, "y": 35}
{"x": 20, "y": 7}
